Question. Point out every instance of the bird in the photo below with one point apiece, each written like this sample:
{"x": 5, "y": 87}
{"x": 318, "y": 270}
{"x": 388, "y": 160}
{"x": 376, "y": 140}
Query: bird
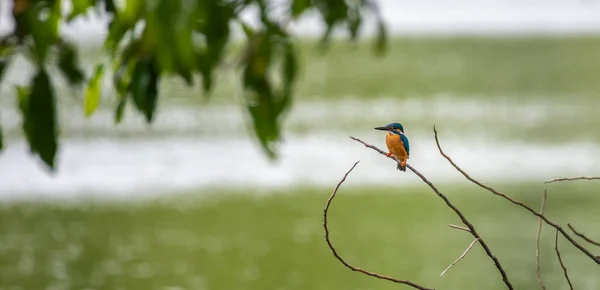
{"x": 397, "y": 143}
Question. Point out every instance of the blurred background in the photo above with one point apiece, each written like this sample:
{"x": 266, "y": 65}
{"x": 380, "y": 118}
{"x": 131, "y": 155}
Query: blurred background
{"x": 191, "y": 201}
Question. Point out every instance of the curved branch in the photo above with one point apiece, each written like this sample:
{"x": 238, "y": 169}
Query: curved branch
{"x": 537, "y": 243}
{"x": 572, "y": 179}
{"x": 335, "y": 253}
{"x": 514, "y": 201}
{"x": 583, "y": 236}
{"x": 450, "y": 205}
{"x": 561, "y": 261}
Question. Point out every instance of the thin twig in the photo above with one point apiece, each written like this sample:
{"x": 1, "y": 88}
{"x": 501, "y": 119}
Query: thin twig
{"x": 572, "y": 179}
{"x": 537, "y": 243}
{"x": 459, "y": 228}
{"x": 461, "y": 256}
{"x": 560, "y": 260}
{"x": 333, "y": 250}
{"x": 456, "y": 210}
{"x": 514, "y": 201}
{"x": 583, "y": 236}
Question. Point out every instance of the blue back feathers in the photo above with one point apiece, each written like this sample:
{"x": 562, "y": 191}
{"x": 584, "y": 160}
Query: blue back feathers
{"x": 399, "y": 130}
{"x": 405, "y": 142}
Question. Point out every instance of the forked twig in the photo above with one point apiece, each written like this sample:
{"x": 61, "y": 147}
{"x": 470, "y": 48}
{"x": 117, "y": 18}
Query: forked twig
{"x": 461, "y": 256}
{"x": 572, "y": 179}
{"x": 454, "y": 208}
{"x": 459, "y": 228}
{"x": 514, "y": 201}
{"x": 561, "y": 261}
{"x": 583, "y": 236}
{"x": 335, "y": 253}
{"x": 537, "y": 243}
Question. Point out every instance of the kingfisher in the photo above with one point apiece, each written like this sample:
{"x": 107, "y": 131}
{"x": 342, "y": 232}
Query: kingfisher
{"x": 397, "y": 143}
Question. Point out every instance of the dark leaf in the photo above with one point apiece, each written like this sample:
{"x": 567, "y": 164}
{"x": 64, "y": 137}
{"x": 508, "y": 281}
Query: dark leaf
{"x": 109, "y": 6}
{"x": 259, "y": 95}
{"x": 39, "y": 118}
{"x": 206, "y": 71}
{"x": 116, "y": 31}
{"x": 43, "y": 30}
{"x": 290, "y": 71}
{"x": 299, "y": 6}
{"x": 79, "y": 7}
{"x": 217, "y": 29}
{"x": 144, "y": 88}
{"x": 68, "y": 65}
{"x": 93, "y": 93}
{"x": 186, "y": 75}
{"x": 6, "y": 53}
{"x": 333, "y": 11}
{"x": 120, "y": 110}
{"x": 3, "y": 65}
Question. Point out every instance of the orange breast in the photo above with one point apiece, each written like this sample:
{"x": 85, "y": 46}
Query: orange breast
{"x": 396, "y": 146}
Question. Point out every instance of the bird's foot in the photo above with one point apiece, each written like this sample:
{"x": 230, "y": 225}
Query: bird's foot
{"x": 388, "y": 154}
{"x": 403, "y": 163}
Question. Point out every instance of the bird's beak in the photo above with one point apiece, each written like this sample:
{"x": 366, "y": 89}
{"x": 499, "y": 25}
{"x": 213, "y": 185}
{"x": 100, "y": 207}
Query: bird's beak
{"x": 382, "y": 128}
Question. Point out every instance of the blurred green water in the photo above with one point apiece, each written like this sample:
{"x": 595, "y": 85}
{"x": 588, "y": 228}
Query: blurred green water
{"x": 233, "y": 240}
{"x": 236, "y": 240}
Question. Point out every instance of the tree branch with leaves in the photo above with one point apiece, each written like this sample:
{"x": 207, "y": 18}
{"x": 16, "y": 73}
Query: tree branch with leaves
{"x": 148, "y": 41}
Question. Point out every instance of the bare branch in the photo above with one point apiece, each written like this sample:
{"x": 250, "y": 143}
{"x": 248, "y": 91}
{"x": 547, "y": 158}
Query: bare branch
{"x": 514, "y": 201}
{"x": 456, "y": 210}
{"x": 572, "y": 179}
{"x": 583, "y": 236}
{"x": 537, "y": 243}
{"x": 334, "y": 251}
{"x": 459, "y": 228}
{"x": 560, "y": 260}
{"x": 461, "y": 256}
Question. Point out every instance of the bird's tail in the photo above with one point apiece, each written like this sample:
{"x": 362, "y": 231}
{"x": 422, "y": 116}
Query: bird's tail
{"x": 401, "y": 168}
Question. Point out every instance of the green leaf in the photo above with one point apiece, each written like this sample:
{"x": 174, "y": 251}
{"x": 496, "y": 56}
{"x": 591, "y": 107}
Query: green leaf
{"x": 260, "y": 99}
{"x": 144, "y": 88}
{"x": 120, "y": 110}
{"x": 23, "y": 101}
{"x": 116, "y": 31}
{"x": 299, "y": 6}
{"x": 43, "y": 30}
{"x": 67, "y": 63}
{"x": 206, "y": 71}
{"x": 79, "y": 7}
{"x": 290, "y": 71}
{"x": 94, "y": 91}
{"x": 39, "y": 118}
